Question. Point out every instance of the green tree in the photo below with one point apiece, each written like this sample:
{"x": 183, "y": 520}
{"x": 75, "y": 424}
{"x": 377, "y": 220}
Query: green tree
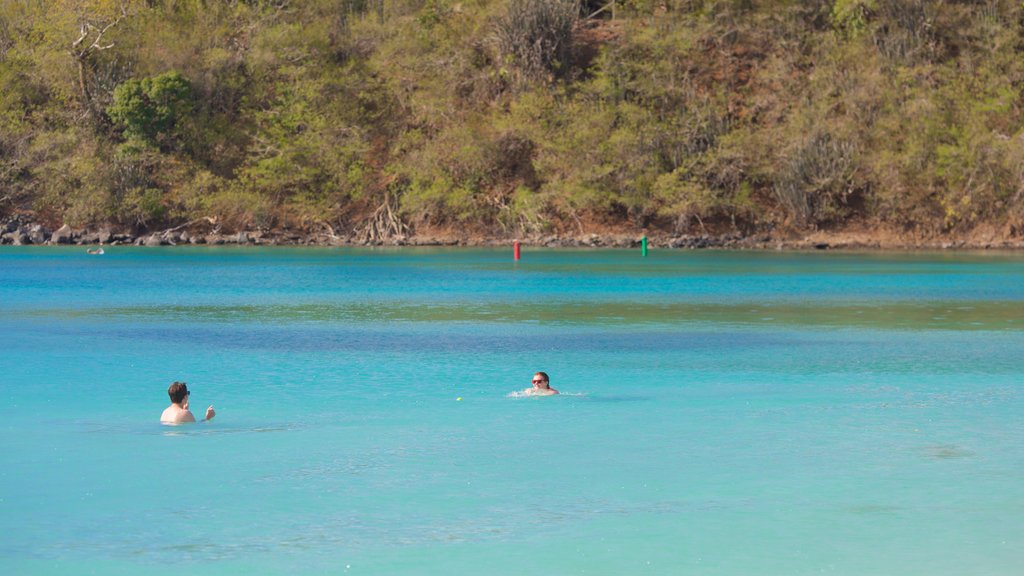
{"x": 152, "y": 108}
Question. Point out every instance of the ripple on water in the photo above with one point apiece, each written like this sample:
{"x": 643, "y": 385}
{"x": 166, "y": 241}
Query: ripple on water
{"x": 874, "y": 509}
{"x": 946, "y": 452}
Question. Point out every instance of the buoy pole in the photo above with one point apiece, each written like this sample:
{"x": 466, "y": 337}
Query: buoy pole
{"x": 643, "y": 246}
{"x": 515, "y": 250}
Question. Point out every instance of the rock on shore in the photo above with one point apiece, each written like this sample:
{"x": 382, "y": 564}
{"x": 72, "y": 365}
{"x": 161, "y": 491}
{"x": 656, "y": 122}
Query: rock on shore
{"x": 20, "y": 231}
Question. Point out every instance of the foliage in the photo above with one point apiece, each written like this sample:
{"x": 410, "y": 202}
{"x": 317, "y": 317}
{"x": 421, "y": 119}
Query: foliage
{"x": 813, "y": 185}
{"x": 511, "y": 117}
{"x": 535, "y": 36}
{"x": 150, "y": 109}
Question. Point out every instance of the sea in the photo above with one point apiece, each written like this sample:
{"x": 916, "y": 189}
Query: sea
{"x": 721, "y": 413}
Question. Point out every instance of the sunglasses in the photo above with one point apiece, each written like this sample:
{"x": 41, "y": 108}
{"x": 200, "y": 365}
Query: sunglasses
{"x": 539, "y": 381}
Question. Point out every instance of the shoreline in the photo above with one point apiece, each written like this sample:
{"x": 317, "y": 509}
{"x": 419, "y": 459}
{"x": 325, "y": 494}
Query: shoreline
{"x": 22, "y": 234}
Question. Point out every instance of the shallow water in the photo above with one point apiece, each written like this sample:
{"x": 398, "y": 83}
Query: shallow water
{"x": 723, "y": 413}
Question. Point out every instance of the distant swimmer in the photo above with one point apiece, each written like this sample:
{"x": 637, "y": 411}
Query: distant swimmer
{"x": 94, "y": 251}
{"x": 541, "y": 386}
{"x": 178, "y": 412}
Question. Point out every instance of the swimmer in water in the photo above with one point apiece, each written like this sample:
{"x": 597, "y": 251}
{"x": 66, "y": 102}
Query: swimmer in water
{"x": 178, "y": 412}
{"x": 541, "y": 386}
{"x": 94, "y": 251}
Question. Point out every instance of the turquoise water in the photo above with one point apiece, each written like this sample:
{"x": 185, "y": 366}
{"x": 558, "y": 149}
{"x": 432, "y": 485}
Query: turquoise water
{"x": 722, "y": 413}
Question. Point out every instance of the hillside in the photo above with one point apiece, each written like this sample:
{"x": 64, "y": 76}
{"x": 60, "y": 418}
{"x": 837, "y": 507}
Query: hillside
{"x": 491, "y": 119}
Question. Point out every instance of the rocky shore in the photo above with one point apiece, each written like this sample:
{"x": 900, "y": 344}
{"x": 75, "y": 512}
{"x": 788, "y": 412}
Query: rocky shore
{"x": 20, "y": 232}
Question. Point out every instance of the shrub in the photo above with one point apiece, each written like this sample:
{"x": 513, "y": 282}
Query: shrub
{"x": 850, "y": 17}
{"x": 814, "y": 183}
{"x": 535, "y": 36}
{"x": 906, "y": 30}
{"x": 238, "y": 209}
{"x": 151, "y": 108}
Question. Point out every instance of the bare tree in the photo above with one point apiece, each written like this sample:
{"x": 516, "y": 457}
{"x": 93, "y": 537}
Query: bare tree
{"x": 536, "y": 36}
{"x": 816, "y": 180}
{"x": 90, "y": 42}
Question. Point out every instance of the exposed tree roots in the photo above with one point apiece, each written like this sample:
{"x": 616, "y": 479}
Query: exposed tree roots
{"x": 384, "y": 224}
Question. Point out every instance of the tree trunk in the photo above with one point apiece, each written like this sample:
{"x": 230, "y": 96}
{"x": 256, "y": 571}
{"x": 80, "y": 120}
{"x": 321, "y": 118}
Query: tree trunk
{"x": 83, "y": 85}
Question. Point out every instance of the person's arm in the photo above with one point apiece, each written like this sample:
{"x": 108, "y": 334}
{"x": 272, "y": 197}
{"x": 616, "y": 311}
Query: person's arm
{"x": 210, "y": 413}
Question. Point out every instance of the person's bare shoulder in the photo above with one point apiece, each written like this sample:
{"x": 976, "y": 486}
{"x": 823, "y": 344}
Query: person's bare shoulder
{"x": 176, "y": 416}
{"x": 168, "y": 416}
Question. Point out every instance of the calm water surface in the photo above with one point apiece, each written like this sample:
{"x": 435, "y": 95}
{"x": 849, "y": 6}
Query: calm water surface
{"x": 722, "y": 413}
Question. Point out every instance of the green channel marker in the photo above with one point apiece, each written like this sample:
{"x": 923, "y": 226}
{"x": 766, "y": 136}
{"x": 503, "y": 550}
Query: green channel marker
{"x": 643, "y": 246}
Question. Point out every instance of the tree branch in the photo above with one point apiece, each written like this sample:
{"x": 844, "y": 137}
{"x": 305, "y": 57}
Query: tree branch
{"x": 81, "y": 54}
{"x": 85, "y": 32}
{"x": 210, "y": 220}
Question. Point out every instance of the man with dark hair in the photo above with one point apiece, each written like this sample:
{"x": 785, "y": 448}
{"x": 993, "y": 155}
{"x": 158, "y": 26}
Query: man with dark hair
{"x": 541, "y": 386}
{"x": 178, "y": 412}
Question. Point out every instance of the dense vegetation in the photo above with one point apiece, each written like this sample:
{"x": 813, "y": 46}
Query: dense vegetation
{"x": 508, "y": 117}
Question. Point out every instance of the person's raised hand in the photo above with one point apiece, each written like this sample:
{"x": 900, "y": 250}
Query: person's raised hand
{"x": 210, "y": 413}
